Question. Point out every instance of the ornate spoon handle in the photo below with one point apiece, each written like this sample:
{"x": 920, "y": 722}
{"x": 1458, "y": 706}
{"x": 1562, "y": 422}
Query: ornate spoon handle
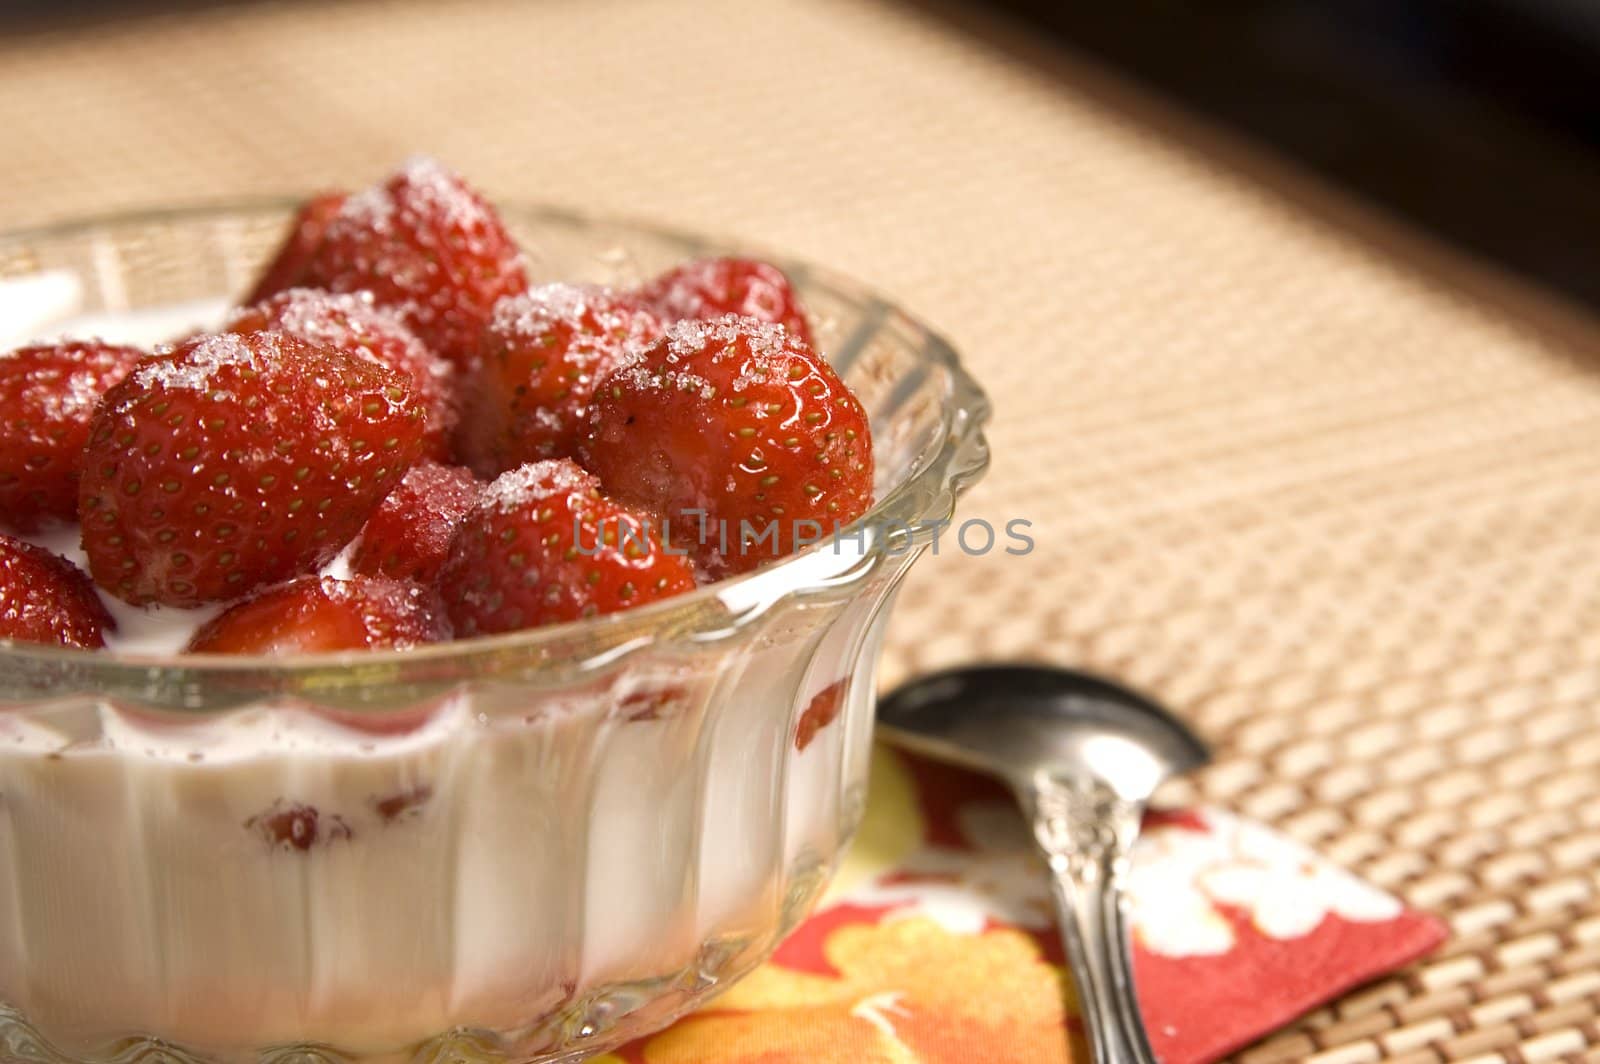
{"x": 1086, "y": 832}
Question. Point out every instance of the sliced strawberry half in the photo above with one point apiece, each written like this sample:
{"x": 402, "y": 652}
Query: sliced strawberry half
{"x": 46, "y": 599}
{"x": 320, "y": 614}
{"x": 235, "y": 462}
{"x": 48, "y": 394}
{"x": 544, "y": 546}
{"x": 710, "y": 288}
{"x": 739, "y": 434}
{"x": 527, "y": 395}
{"x": 408, "y": 535}
{"x": 354, "y": 323}
{"x": 288, "y": 266}
{"x": 426, "y": 244}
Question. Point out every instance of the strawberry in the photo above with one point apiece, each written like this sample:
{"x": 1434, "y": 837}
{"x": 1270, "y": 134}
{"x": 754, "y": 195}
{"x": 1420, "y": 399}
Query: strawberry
{"x": 352, "y": 322}
{"x": 408, "y": 535}
{"x": 528, "y": 392}
{"x": 296, "y": 826}
{"x": 46, "y": 599}
{"x": 741, "y": 436}
{"x": 406, "y": 804}
{"x": 821, "y": 711}
{"x": 47, "y": 396}
{"x": 544, "y": 546}
{"x": 427, "y": 245}
{"x": 709, "y": 288}
{"x": 315, "y": 614}
{"x": 234, "y": 462}
{"x": 288, "y": 266}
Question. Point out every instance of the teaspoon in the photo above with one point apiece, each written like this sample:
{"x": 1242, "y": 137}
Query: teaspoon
{"x": 1083, "y": 756}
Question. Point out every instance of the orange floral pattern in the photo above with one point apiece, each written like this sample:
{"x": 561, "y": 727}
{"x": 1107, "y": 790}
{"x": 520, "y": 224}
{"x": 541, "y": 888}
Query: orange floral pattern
{"x": 935, "y": 944}
{"x": 906, "y": 991}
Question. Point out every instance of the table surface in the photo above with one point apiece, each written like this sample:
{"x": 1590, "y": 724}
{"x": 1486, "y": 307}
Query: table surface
{"x": 1325, "y": 488}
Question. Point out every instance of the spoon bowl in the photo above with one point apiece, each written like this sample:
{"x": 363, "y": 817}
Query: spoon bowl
{"x": 1083, "y": 756}
{"x": 1015, "y": 721}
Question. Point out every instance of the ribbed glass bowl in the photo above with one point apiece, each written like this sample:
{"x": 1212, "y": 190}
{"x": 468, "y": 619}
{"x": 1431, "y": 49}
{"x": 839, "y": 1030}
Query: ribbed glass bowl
{"x": 531, "y": 847}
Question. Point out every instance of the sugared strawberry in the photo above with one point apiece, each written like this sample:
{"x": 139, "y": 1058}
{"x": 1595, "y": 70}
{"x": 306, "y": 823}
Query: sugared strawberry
{"x": 315, "y": 614}
{"x": 408, "y": 535}
{"x": 48, "y": 393}
{"x": 527, "y": 395}
{"x": 709, "y": 288}
{"x": 46, "y": 599}
{"x": 544, "y": 546}
{"x": 287, "y": 268}
{"x": 735, "y": 429}
{"x": 427, "y": 245}
{"x": 234, "y": 462}
{"x": 352, "y": 322}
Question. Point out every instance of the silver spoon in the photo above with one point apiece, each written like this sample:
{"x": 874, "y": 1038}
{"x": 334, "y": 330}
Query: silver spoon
{"x": 1083, "y": 756}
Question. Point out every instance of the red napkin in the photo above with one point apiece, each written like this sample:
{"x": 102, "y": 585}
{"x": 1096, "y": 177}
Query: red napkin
{"x": 937, "y": 943}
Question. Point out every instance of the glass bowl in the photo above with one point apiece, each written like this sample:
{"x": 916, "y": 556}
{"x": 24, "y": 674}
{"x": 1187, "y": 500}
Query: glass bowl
{"x": 530, "y": 847}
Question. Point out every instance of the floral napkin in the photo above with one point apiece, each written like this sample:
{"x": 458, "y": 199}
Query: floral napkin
{"x": 936, "y": 943}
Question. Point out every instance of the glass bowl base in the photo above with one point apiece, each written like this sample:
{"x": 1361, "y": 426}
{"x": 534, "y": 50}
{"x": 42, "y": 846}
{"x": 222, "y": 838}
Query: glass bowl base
{"x": 598, "y": 1020}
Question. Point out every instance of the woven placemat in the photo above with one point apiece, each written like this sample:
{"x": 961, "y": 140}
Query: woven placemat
{"x": 1322, "y": 487}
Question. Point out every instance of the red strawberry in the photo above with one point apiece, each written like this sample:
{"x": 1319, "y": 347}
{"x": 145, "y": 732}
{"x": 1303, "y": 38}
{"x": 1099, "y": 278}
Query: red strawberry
{"x": 408, "y": 535}
{"x": 315, "y": 614}
{"x": 429, "y": 246}
{"x": 239, "y": 461}
{"x": 297, "y": 826}
{"x": 544, "y": 546}
{"x": 352, "y": 322}
{"x": 821, "y": 711}
{"x": 288, "y": 266}
{"x": 46, "y": 599}
{"x": 47, "y": 396}
{"x": 740, "y": 421}
{"x": 710, "y": 288}
{"x": 528, "y": 393}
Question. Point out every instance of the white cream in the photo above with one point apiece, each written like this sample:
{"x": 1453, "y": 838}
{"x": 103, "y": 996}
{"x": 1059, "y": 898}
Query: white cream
{"x": 61, "y": 319}
{"x": 152, "y": 630}
{"x": 485, "y": 869}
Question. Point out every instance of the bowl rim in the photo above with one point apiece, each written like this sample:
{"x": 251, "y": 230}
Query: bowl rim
{"x": 910, "y": 507}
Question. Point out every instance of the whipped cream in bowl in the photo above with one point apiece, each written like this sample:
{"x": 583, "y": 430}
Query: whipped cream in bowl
{"x": 521, "y": 847}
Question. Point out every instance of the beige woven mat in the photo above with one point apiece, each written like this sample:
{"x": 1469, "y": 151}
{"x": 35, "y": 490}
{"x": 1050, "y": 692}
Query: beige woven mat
{"x": 1334, "y": 495}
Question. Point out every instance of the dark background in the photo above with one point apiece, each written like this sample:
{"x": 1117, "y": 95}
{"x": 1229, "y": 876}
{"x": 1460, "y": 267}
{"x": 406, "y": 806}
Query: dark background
{"x": 1478, "y": 120}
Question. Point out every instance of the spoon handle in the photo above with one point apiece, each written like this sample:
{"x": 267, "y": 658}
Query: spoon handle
{"x": 1086, "y": 832}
